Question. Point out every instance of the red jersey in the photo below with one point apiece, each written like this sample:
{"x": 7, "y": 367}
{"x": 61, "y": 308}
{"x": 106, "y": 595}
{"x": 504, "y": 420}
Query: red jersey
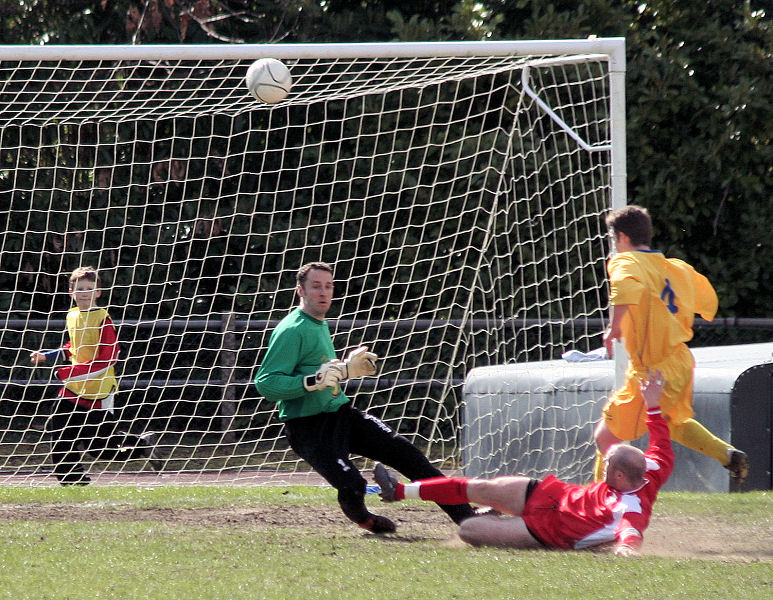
{"x": 573, "y": 517}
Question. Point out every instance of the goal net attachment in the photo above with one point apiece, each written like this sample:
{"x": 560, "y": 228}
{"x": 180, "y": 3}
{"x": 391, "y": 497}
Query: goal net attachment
{"x": 457, "y": 188}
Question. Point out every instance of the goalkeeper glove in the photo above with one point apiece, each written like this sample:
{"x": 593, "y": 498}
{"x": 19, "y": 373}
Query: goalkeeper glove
{"x": 328, "y": 375}
{"x": 359, "y": 363}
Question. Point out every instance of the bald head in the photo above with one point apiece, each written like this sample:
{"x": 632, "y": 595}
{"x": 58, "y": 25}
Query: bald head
{"x": 630, "y": 461}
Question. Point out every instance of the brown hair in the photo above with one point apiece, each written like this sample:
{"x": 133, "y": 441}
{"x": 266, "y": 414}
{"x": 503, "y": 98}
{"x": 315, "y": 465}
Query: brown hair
{"x": 87, "y": 273}
{"x": 634, "y": 221}
{"x": 303, "y": 272}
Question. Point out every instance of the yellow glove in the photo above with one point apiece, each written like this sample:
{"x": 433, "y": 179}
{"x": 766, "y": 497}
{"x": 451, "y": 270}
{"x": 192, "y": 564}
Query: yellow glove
{"x": 359, "y": 363}
{"x": 328, "y": 375}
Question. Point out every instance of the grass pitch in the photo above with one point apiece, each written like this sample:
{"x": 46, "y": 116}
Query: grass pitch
{"x": 286, "y": 543}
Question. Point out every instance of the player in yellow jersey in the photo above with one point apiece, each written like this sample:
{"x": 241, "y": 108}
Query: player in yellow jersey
{"x": 84, "y": 413}
{"x": 653, "y": 300}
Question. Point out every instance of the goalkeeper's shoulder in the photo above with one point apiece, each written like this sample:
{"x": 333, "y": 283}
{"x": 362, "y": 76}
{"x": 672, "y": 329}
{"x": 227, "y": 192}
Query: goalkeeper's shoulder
{"x": 274, "y": 378}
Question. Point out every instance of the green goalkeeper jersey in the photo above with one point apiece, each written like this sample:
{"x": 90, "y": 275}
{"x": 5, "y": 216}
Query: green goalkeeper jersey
{"x": 297, "y": 348}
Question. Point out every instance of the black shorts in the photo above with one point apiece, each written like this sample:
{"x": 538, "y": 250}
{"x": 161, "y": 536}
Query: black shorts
{"x": 327, "y": 440}
{"x": 530, "y": 488}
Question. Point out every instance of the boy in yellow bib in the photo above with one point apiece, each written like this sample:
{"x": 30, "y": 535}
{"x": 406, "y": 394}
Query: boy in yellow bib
{"x": 84, "y": 413}
{"x": 653, "y": 300}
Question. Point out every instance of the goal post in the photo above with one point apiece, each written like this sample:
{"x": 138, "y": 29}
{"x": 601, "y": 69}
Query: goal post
{"x": 457, "y": 187}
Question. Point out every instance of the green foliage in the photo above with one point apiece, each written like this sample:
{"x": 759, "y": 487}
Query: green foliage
{"x": 566, "y": 19}
{"x": 700, "y": 122}
{"x": 468, "y": 20}
{"x": 152, "y": 21}
{"x": 700, "y": 95}
{"x": 700, "y": 92}
{"x": 699, "y": 139}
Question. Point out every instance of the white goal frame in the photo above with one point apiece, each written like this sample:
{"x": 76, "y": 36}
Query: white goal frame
{"x": 23, "y": 461}
{"x": 613, "y": 48}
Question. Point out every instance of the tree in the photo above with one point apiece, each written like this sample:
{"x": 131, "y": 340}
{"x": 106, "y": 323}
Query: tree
{"x": 152, "y": 21}
{"x": 699, "y": 125}
{"x": 240, "y": 21}
{"x": 699, "y": 88}
{"x": 700, "y": 111}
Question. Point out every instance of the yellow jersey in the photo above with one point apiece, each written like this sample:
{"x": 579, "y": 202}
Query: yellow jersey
{"x": 663, "y": 295}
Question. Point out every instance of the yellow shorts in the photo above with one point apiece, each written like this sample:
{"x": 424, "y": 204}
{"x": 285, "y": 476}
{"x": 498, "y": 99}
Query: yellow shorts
{"x": 625, "y": 412}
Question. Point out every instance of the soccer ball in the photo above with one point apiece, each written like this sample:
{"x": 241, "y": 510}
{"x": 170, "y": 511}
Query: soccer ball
{"x": 268, "y": 80}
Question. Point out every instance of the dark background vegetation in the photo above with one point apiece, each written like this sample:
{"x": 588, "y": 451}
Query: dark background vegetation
{"x": 699, "y": 116}
{"x": 699, "y": 87}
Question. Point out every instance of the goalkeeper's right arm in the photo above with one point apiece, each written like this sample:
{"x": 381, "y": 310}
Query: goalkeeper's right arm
{"x": 328, "y": 375}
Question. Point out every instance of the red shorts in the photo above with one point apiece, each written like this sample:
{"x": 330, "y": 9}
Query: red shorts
{"x": 552, "y": 527}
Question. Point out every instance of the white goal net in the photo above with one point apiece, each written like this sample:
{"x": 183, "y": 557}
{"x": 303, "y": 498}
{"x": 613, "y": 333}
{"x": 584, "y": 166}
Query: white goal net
{"x": 458, "y": 190}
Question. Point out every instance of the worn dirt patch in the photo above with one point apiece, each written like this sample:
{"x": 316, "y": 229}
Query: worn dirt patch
{"x": 708, "y": 539}
{"x": 674, "y": 537}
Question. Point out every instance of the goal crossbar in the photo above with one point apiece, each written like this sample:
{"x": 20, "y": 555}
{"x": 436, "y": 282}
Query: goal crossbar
{"x": 614, "y": 48}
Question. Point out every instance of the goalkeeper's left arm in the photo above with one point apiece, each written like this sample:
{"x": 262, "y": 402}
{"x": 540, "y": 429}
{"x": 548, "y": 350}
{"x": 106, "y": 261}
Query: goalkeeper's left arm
{"x": 359, "y": 363}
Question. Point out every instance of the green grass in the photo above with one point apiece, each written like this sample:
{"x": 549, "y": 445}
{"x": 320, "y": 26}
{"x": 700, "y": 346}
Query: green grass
{"x": 108, "y": 556}
{"x": 739, "y": 508}
{"x": 170, "y": 496}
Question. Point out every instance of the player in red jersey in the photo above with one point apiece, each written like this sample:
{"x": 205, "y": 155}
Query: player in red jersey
{"x": 554, "y": 514}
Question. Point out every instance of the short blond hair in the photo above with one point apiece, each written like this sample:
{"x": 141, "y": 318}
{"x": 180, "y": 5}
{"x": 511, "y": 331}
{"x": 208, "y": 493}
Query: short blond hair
{"x": 87, "y": 273}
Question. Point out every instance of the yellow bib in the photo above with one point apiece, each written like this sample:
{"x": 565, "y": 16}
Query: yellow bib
{"x": 663, "y": 295}
{"x": 85, "y": 329}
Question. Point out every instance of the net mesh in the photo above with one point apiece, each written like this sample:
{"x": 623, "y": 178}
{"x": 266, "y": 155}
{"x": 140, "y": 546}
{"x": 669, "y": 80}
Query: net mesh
{"x": 463, "y": 223}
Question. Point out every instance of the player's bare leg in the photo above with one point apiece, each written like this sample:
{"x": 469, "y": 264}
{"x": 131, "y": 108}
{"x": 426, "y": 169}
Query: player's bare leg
{"x": 489, "y": 530}
{"x": 506, "y": 494}
{"x": 604, "y": 437}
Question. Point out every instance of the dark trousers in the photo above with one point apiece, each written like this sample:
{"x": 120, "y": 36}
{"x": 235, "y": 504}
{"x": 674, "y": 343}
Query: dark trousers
{"x": 76, "y": 429}
{"x": 327, "y": 440}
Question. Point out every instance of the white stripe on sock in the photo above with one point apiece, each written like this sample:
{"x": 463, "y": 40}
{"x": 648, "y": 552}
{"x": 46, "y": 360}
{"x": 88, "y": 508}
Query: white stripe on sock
{"x": 412, "y": 491}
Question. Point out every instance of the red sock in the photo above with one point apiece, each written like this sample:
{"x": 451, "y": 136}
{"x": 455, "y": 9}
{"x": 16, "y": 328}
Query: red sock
{"x": 443, "y": 490}
{"x": 399, "y": 491}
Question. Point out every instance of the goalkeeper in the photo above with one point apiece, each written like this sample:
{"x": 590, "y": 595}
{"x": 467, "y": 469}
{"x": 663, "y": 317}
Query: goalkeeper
{"x": 653, "y": 301}
{"x": 302, "y": 375}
